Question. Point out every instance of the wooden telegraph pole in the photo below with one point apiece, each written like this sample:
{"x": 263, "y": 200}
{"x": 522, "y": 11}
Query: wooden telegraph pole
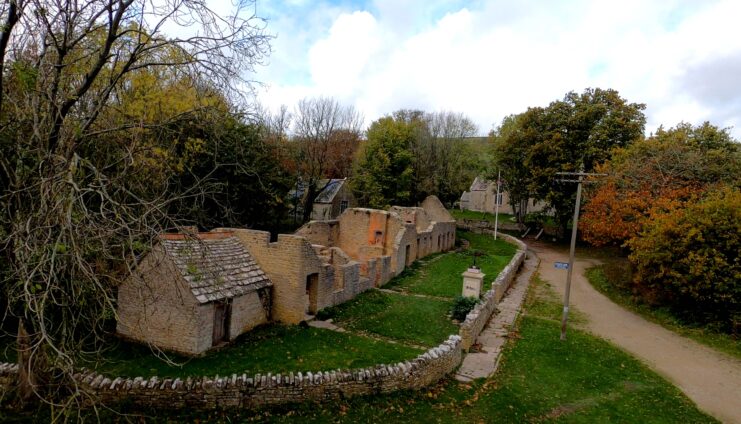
{"x": 569, "y": 178}
{"x": 496, "y": 203}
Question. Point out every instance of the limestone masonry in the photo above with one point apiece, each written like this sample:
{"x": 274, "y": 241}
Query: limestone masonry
{"x": 194, "y": 292}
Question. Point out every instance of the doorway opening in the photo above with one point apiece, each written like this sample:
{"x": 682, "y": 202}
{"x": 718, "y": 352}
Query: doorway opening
{"x": 222, "y": 315}
{"x": 312, "y": 283}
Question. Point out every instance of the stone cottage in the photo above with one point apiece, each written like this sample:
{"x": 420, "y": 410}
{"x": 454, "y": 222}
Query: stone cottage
{"x": 191, "y": 293}
{"x": 333, "y": 200}
{"x": 335, "y": 197}
{"x": 482, "y": 197}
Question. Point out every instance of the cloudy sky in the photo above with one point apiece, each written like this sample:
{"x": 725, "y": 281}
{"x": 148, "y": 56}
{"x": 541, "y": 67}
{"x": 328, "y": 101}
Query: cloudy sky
{"x": 489, "y": 59}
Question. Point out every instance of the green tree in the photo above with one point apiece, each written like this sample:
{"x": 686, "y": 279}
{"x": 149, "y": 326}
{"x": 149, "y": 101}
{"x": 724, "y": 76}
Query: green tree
{"x": 575, "y": 133}
{"x": 81, "y": 191}
{"x": 244, "y": 182}
{"x": 510, "y": 149}
{"x": 383, "y": 175}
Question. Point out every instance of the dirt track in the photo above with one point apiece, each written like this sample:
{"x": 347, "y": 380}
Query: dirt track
{"x": 710, "y": 379}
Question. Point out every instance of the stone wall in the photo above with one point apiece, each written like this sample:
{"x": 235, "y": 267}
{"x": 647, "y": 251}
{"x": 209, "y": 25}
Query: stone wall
{"x": 478, "y": 317}
{"x": 242, "y": 391}
{"x": 479, "y": 224}
{"x": 247, "y": 312}
{"x": 288, "y": 263}
{"x": 155, "y": 305}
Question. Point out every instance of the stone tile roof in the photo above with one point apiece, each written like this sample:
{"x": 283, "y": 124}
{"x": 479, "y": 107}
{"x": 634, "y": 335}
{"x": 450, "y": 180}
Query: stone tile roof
{"x": 215, "y": 267}
{"x": 479, "y": 184}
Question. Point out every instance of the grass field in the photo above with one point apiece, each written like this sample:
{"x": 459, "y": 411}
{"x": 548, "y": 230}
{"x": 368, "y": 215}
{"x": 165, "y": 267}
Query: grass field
{"x": 541, "y": 379}
{"x": 441, "y": 275}
{"x": 480, "y": 216}
{"x": 272, "y": 348}
{"x": 408, "y": 319}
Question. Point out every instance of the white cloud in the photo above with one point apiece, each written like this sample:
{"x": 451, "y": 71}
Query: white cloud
{"x": 495, "y": 58}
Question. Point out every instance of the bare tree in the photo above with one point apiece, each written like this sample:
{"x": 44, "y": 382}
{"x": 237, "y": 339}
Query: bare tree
{"x": 440, "y": 152}
{"x": 322, "y": 128}
{"x": 77, "y": 205}
{"x": 449, "y": 131}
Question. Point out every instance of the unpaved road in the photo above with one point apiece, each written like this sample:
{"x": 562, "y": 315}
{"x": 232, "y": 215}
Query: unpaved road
{"x": 710, "y": 379}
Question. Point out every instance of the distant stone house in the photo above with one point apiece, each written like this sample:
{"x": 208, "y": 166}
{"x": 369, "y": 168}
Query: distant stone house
{"x": 193, "y": 293}
{"x": 335, "y": 197}
{"x": 333, "y": 200}
{"x": 482, "y": 197}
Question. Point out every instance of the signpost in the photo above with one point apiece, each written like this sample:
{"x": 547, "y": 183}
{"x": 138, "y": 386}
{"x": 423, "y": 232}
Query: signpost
{"x": 574, "y": 225}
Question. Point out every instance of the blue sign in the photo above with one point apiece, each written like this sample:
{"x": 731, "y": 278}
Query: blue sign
{"x": 561, "y": 265}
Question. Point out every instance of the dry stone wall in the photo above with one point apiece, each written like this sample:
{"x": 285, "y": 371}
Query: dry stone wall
{"x": 242, "y": 391}
{"x": 478, "y": 317}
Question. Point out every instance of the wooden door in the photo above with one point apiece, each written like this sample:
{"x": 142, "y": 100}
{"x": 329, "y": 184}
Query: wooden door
{"x": 220, "y": 315}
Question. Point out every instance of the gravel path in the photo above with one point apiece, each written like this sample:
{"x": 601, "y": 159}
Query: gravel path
{"x": 710, "y": 378}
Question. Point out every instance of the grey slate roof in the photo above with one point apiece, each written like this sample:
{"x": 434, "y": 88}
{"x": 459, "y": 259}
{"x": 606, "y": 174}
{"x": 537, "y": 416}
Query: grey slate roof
{"x": 216, "y": 269}
{"x": 328, "y": 194}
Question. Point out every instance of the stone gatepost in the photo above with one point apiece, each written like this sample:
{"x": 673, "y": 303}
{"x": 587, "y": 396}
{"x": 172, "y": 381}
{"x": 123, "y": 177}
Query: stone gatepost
{"x": 473, "y": 282}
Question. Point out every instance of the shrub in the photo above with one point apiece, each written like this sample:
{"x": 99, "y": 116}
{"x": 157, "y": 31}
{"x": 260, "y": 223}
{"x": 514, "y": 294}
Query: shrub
{"x": 462, "y": 306}
{"x": 688, "y": 259}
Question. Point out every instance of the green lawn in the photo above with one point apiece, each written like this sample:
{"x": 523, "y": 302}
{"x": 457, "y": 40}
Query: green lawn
{"x": 441, "y": 275}
{"x": 541, "y": 379}
{"x": 409, "y": 319}
{"x": 549, "y": 304}
{"x": 480, "y": 216}
{"x": 613, "y": 280}
{"x": 273, "y": 348}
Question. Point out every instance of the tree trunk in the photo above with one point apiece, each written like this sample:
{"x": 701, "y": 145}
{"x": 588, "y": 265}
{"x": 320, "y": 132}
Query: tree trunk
{"x": 309, "y": 201}
{"x": 27, "y": 381}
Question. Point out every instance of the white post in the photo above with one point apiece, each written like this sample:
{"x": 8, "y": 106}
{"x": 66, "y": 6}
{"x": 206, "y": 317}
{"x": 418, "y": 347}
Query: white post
{"x": 496, "y": 207}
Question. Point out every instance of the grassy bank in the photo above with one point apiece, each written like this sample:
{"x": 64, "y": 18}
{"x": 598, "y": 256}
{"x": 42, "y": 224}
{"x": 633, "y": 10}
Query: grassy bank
{"x": 481, "y": 216}
{"x": 613, "y": 279}
{"x": 273, "y": 348}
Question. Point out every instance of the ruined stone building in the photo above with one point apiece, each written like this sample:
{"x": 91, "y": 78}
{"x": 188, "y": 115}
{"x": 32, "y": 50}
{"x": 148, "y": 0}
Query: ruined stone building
{"x": 323, "y": 264}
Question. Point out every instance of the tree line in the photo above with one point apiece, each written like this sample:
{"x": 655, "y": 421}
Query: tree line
{"x": 670, "y": 200}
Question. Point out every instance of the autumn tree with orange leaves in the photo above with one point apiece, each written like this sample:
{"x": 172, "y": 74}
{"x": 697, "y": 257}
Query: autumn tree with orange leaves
{"x": 657, "y": 175}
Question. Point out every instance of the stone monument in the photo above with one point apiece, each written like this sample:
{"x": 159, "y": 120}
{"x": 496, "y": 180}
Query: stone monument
{"x": 473, "y": 282}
